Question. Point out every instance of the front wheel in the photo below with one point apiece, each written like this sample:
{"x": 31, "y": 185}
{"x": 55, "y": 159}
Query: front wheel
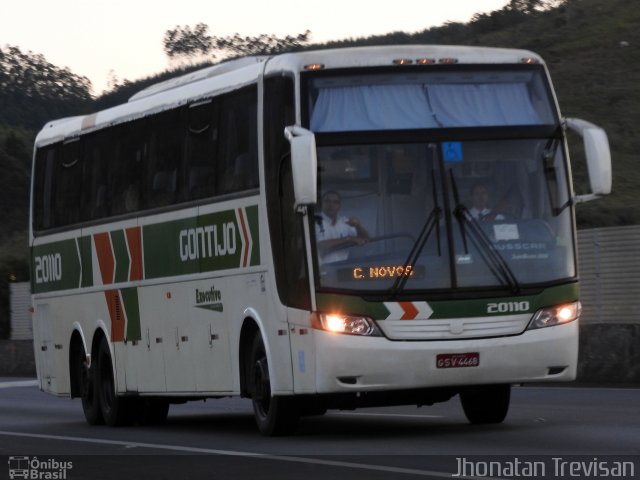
{"x": 486, "y": 404}
{"x": 275, "y": 415}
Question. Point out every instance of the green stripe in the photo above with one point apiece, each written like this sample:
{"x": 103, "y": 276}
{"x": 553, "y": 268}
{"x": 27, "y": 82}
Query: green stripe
{"x": 86, "y": 261}
{"x": 225, "y": 237}
{"x": 478, "y": 307}
{"x": 355, "y": 305}
{"x": 350, "y": 304}
{"x": 181, "y": 247}
{"x": 200, "y": 244}
{"x": 55, "y": 266}
{"x": 162, "y": 249}
{"x": 121, "y": 255}
{"x": 132, "y": 310}
{"x": 252, "y": 220}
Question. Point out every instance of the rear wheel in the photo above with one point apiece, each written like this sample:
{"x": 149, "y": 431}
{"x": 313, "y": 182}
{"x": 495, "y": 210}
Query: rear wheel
{"x": 275, "y": 415}
{"x": 115, "y": 410}
{"x": 486, "y": 404}
{"x": 86, "y": 376}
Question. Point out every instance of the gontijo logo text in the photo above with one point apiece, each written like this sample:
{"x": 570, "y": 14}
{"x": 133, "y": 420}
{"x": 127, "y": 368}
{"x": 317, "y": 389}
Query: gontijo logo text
{"x": 206, "y": 242}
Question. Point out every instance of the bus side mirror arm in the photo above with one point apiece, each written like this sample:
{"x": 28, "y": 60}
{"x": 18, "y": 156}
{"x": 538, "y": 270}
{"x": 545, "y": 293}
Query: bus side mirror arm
{"x": 598, "y": 155}
{"x": 304, "y": 166}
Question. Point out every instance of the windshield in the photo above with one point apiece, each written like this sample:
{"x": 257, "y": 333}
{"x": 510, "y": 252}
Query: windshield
{"x": 441, "y": 215}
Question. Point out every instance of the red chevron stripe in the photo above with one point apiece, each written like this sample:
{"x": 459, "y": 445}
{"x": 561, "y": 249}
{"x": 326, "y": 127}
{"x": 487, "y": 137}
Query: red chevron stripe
{"x": 245, "y": 235}
{"x": 410, "y": 311}
{"x": 105, "y": 257}
{"x": 116, "y": 313}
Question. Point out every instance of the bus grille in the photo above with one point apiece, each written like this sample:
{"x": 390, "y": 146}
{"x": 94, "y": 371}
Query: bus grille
{"x": 455, "y": 328}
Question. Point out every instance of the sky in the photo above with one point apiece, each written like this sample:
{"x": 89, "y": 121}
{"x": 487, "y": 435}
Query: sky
{"x": 123, "y": 38}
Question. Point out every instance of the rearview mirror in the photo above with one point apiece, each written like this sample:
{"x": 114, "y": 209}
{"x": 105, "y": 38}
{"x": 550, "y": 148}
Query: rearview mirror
{"x": 598, "y": 155}
{"x": 304, "y": 165}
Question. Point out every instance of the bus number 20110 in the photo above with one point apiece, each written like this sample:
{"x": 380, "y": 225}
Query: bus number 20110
{"x": 508, "y": 307}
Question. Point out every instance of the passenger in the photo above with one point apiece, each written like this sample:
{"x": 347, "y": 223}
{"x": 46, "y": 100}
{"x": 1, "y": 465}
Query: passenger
{"x": 335, "y": 233}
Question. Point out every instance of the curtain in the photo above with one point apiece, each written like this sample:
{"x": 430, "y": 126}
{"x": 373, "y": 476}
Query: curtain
{"x": 413, "y": 106}
{"x": 371, "y": 107}
{"x": 483, "y": 105}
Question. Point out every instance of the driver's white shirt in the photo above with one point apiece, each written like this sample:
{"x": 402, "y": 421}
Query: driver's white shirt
{"x": 479, "y": 215}
{"x": 326, "y": 230}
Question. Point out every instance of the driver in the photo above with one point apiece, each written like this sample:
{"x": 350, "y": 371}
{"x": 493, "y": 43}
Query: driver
{"x": 335, "y": 233}
{"x": 480, "y": 209}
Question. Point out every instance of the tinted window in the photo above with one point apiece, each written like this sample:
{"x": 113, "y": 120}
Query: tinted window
{"x": 126, "y": 173}
{"x": 97, "y": 150}
{"x": 68, "y": 184}
{"x": 43, "y": 185}
{"x": 166, "y": 143}
{"x": 198, "y": 151}
{"x": 202, "y": 148}
{"x": 238, "y": 164}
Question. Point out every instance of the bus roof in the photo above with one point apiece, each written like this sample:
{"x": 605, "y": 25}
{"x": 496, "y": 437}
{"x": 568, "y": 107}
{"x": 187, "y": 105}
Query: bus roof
{"x": 358, "y": 57}
{"x": 240, "y": 72}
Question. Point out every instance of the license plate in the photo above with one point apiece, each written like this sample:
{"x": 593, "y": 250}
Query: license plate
{"x": 458, "y": 360}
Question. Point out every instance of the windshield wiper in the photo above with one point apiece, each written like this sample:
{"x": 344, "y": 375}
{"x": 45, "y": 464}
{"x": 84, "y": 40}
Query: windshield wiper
{"x": 432, "y": 222}
{"x": 498, "y": 266}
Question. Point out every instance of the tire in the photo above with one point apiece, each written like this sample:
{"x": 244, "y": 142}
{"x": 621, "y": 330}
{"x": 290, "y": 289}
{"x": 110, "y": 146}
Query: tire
{"x": 486, "y": 404}
{"x": 275, "y": 415}
{"x": 151, "y": 411}
{"x": 116, "y": 410}
{"x": 88, "y": 388}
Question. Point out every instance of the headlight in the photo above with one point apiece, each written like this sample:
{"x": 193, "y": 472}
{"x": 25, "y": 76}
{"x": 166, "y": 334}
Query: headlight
{"x": 557, "y": 315}
{"x": 351, "y": 325}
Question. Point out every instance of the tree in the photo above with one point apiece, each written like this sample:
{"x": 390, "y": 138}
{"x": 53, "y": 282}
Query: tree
{"x": 33, "y": 90}
{"x": 184, "y": 41}
{"x": 195, "y": 43}
{"x": 264, "y": 44}
{"x": 533, "y": 6}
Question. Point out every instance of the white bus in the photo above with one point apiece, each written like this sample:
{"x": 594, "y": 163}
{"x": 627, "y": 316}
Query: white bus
{"x": 317, "y": 230}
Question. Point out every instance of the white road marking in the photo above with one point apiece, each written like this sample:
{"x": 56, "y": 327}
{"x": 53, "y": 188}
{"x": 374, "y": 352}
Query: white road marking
{"x": 19, "y": 383}
{"x": 397, "y": 415}
{"x": 233, "y": 453}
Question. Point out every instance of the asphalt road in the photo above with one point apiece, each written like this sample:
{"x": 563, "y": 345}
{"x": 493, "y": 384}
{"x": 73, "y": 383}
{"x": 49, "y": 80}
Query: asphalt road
{"x": 560, "y": 430}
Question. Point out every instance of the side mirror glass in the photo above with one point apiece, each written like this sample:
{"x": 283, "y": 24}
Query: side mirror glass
{"x": 598, "y": 155}
{"x": 304, "y": 165}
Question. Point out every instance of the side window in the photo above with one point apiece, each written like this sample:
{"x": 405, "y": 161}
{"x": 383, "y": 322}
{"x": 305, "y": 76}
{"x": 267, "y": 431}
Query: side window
{"x": 97, "y": 150}
{"x": 238, "y": 163}
{"x": 43, "y": 188}
{"x": 68, "y": 184}
{"x": 201, "y": 149}
{"x": 127, "y": 172}
{"x": 166, "y": 145}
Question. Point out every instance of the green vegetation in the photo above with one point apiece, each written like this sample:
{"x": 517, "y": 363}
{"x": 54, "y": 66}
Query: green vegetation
{"x": 592, "y": 48}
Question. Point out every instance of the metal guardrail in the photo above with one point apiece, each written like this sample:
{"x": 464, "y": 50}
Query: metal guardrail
{"x": 609, "y": 268}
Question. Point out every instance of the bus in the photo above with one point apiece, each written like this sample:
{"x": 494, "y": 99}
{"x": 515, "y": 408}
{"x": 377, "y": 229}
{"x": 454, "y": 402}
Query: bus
{"x": 328, "y": 229}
